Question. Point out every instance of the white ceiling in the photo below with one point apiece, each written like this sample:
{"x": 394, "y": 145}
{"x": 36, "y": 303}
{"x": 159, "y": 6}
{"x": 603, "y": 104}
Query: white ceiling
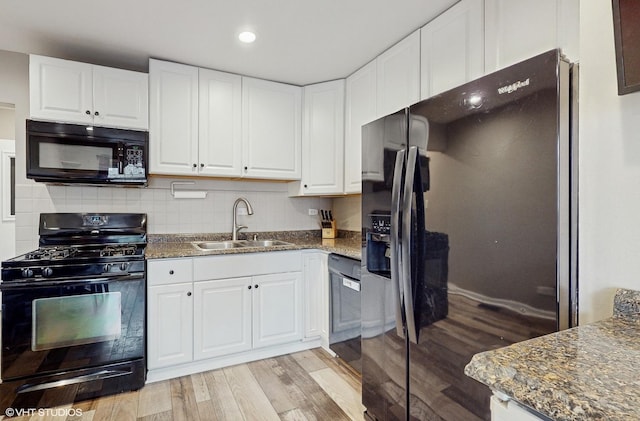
{"x": 299, "y": 41}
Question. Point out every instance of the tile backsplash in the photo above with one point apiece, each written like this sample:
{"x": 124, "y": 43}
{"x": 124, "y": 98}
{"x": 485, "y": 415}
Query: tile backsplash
{"x": 273, "y": 209}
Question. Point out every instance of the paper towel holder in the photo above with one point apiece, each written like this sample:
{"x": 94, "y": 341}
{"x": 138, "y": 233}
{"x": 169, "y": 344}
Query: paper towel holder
{"x": 186, "y": 194}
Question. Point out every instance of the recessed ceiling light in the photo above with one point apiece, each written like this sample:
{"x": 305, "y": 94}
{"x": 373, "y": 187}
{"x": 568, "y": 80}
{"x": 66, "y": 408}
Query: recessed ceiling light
{"x": 247, "y": 37}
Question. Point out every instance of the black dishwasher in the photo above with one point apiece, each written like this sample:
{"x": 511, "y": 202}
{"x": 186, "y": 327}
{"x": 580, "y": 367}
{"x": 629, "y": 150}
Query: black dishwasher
{"x": 345, "y": 323}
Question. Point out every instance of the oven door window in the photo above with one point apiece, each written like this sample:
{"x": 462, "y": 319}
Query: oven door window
{"x": 75, "y": 320}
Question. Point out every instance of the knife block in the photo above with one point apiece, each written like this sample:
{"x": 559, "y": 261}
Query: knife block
{"x": 330, "y": 232}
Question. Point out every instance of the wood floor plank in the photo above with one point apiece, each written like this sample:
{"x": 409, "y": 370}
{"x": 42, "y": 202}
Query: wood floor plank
{"x": 154, "y": 398}
{"x": 252, "y": 401}
{"x": 317, "y": 400}
{"x": 277, "y": 386}
{"x": 161, "y": 416}
{"x": 309, "y": 361}
{"x": 200, "y": 388}
{"x": 341, "y": 392}
{"x": 298, "y": 414}
{"x": 103, "y": 408}
{"x": 183, "y": 400}
{"x": 223, "y": 403}
{"x": 126, "y": 406}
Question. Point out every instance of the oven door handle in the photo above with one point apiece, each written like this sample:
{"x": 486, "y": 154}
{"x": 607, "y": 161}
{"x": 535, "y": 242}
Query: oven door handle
{"x": 6, "y": 286}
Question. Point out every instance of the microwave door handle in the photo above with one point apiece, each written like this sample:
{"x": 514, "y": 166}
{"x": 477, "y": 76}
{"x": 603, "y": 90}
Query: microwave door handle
{"x": 395, "y": 258}
{"x": 407, "y": 246}
{"x": 120, "y": 158}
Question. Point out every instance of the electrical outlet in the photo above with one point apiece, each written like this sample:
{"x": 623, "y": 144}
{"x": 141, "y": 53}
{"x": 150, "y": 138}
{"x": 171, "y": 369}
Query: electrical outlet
{"x": 242, "y": 211}
{"x": 313, "y": 212}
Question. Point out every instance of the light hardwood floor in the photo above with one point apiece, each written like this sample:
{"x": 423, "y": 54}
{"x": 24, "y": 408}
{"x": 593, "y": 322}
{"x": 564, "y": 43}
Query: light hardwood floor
{"x": 308, "y": 385}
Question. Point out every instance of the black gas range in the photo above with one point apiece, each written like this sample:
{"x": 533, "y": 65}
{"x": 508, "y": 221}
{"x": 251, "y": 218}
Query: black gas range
{"x": 73, "y": 311}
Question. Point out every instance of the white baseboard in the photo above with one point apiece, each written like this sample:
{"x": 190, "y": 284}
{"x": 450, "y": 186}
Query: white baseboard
{"x": 194, "y": 367}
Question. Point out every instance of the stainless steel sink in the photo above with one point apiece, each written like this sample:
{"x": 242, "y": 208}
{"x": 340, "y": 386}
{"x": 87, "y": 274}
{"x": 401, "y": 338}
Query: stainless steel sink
{"x": 220, "y": 245}
{"x": 267, "y": 243}
{"x": 224, "y": 245}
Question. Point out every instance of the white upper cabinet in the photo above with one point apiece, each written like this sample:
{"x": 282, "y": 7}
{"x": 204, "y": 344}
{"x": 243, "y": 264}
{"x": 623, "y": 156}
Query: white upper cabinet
{"x": 220, "y": 123}
{"x": 360, "y": 108}
{"x": 452, "y": 48}
{"x": 398, "y": 76}
{"x": 173, "y": 133}
{"x": 271, "y": 132}
{"x": 69, "y": 91}
{"x": 210, "y": 123}
{"x": 519, "y": 29}
{"x": 322, "y": 140}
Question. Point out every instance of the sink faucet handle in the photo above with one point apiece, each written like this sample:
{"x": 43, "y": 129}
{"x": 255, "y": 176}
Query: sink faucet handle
{"x": 255, "y": 237}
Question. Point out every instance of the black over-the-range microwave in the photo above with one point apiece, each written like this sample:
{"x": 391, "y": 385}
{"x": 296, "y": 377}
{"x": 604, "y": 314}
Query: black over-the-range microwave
{"x": 72, "y": 153}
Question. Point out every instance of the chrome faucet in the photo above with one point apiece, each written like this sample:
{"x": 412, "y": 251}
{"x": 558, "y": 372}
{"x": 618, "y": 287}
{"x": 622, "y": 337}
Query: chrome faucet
{"x": 236, "y": 227}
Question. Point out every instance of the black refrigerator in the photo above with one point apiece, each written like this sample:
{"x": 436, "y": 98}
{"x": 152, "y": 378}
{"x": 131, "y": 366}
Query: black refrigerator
{"x": 469, "y": 214}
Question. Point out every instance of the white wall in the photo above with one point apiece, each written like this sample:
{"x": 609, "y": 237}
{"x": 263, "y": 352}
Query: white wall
{"x": 609, "y": 243}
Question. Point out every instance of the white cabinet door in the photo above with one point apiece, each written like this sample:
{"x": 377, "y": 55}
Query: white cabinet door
{"x": 398, "y": 76}
{"x": 173, "y": 118}
{"x": 60, "y": 90}
{"x": 452, "y": 48}
{"x": 510, "y": 411}
{"x": 120, "y": 98}
{"x": 271, "y": 132}
{"x": 316, "y": 304}
{"x": 277, "y": 309}
{"x": 169, "y": 325}
{"x": 220, "y": 123}
{"x": 222, "y": 317}
{"x": 360, "y": 109}
{"x": 323, "y": 139}
{"x": 519, "y": 29}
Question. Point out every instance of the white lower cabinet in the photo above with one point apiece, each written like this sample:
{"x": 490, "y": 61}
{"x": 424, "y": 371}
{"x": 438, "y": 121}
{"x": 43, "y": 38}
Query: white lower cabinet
{"x": 277, "y": 309}
{"x": 222, "y": 317}
{"x": 316, "y": 283}
{"x": 214, "y": 311}
{"x": 170, "y": 328}
{"x": 509, "y": 410}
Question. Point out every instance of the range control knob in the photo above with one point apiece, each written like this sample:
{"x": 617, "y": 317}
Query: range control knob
{"x": 46, "y": 272}
{"x": 27, "y": 273}
{"x": 107, "y": 267}
{"x": 124, "y": 266}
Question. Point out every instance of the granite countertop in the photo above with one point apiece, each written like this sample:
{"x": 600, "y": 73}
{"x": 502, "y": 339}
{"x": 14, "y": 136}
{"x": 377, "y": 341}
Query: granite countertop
{"x": 348, "y": 244}
{"x": 589, "y": 372}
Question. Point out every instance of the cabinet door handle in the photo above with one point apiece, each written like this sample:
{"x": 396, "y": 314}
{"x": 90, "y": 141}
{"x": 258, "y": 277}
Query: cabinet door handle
{"x": 195, "y": 165}
{"x": 87, "y": 112}
{"x": 96, "y": 113}
{"x": 256, "y": 286}
{"x": 171, "y": 272}
{"x": 249, "y": 287}
{"x": 201, "y": 165}
{"x": 189, "y": 294}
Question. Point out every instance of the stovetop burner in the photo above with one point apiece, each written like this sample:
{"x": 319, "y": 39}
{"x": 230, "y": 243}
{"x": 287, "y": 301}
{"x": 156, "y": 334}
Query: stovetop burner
{"x": 117, "y": 251}
{"x": 51, "y": 253}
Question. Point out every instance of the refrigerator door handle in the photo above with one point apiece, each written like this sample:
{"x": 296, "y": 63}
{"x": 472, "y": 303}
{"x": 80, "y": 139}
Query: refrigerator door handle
{"x": 407, "y": 246}
{"x": 396, "y": 255}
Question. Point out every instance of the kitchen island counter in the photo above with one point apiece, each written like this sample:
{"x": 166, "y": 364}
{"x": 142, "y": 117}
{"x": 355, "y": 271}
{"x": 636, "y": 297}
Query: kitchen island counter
{"x": 585, "y": 373}
{"x": 173, "y": 246}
